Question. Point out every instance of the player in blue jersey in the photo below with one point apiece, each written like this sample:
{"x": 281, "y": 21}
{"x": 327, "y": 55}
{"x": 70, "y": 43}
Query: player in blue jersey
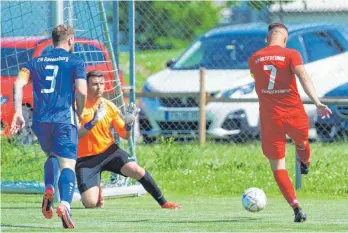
{"x": 58, "y": 78}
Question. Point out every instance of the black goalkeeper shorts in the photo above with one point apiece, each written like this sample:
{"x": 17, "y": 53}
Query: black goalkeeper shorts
{"x": 88, "y": 169}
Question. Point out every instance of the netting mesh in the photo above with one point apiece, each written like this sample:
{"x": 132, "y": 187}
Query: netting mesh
{"x": 25, "y": 33}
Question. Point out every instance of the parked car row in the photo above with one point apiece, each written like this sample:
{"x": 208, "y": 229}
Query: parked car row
{"x": 16, "y": 51}
{"x": 224, "y": 52}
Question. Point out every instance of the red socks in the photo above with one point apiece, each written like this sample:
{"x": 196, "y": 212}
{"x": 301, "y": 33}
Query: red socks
{"x": 285, "y": 185}
{"x": 304, "y": 154}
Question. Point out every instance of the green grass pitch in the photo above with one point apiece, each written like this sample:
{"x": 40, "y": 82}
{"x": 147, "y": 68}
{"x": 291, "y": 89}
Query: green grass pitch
{"x": 207, "y": 181}
{"x": 22, "y": 213}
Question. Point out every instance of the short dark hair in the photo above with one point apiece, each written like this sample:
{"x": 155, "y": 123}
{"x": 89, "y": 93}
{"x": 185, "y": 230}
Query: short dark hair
{"x": 61, "y": 33}
{"x": 275, "y": 25}
{"x": 95, "y": 73}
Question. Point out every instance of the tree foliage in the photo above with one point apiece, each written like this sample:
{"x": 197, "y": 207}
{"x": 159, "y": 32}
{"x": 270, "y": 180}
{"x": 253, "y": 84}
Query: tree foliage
{"x": 169, "y": 24}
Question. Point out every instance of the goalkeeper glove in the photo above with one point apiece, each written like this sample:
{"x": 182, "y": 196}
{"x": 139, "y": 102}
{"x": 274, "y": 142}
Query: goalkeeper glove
{"x": 131, "y": 112}
{"x": 98, "y": 116}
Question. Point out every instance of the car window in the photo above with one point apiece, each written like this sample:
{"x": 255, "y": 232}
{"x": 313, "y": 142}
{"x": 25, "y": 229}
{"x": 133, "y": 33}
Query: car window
{"x": 230, "y": 52}
{"x": 320, "y": 45}
{"x": 12, "y": 60}
{"x": 89, "y": 53}
{"x": 295, "y": 43}
{"x": 339, "y": 39}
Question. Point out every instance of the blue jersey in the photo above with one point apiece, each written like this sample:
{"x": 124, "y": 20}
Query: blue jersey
{"x": 53, "y": 77}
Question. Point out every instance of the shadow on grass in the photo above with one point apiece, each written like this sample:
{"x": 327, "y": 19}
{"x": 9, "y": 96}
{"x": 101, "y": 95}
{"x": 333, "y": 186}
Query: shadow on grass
{"x": 240, "y": 219}
{"x": 27, "y": 227}
{"x": 18, "y": 207}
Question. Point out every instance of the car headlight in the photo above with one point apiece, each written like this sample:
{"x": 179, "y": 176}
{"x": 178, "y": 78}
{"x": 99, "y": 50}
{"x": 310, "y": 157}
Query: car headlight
{"x": 3, "y": 99}
{"x": 238, "y": 91}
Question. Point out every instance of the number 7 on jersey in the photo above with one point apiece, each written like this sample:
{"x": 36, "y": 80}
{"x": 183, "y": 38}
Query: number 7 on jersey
{"x": 272, "y": 75}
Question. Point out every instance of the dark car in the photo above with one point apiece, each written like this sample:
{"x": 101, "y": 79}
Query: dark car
{"x": 335, "y": 127}
{"x": 16, "y": 51}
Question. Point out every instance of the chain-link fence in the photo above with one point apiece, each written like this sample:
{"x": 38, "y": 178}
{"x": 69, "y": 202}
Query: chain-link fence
{"x": 25, "y": 33}
{"x": 175, "y": 39}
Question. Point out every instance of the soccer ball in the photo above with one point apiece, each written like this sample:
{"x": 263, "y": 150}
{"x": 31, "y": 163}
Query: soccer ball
{"x": 254, "y": 199}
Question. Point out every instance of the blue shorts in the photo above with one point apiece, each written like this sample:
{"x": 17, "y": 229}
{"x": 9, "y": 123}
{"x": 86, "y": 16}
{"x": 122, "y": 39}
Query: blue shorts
{"x": 59, "y": 138}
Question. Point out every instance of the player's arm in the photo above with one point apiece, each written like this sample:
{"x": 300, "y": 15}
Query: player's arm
{"x": 81, "y": 86}
{"x": 22, "y": 80}
{"x": 98, "y": 115}
{"x": 81, "y": 95}
{"x": 307, "y": 84}
{"x": 82, "y": 131}
{"x": 249, "y": 65}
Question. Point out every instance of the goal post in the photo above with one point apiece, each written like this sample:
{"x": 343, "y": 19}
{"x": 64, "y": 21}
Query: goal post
{"x": 23, "y": 173}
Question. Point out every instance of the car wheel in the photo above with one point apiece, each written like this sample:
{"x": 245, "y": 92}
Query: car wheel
{"x": 26, "y": 135}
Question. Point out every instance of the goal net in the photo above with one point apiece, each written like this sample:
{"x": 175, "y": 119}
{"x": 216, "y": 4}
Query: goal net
{"x": 25, "y": 33}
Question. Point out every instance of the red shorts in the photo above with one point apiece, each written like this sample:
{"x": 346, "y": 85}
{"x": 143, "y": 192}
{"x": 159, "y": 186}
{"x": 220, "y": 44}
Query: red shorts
{"x": 274, "y": 131}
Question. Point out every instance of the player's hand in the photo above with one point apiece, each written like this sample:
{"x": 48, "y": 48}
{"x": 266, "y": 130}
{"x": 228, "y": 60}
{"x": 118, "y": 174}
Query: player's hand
{"x": 17, "y": 124}
{"x": 99, "y": 113}
{"x": 323, "y": 111}
{"x": 131, "y": 112}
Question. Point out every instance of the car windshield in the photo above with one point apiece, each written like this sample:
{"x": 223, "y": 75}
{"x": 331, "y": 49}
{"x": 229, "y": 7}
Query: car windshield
{"x": 220, "y": 53}
{"x": 12, "y": 59}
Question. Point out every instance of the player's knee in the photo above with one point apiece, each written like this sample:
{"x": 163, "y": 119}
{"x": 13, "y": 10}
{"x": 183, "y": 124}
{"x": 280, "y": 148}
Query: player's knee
{"x": 301, "y": 145}
{"x": 89, "y": 203}
{"x": 67, "y": 163}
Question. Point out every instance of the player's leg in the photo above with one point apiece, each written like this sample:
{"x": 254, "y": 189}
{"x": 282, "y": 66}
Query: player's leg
{"x": 286, "y": 187}
{"x": 65, "y": 147}
{"x": 283, "y": 180}
{"x": 44, "y": 134}
{"x": 273, "y": 140}
{"x": 122, "y": 165}
{"x": 88, "y": 172}
{"x": 297, "y": 128}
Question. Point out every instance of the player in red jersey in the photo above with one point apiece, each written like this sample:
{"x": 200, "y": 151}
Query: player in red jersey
{"x": 281, "y": 109}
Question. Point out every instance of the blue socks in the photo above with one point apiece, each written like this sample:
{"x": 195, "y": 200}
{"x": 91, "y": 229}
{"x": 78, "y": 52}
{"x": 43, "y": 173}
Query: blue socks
{"x": 51, "y": 171}
{"x": 66, "y": 185}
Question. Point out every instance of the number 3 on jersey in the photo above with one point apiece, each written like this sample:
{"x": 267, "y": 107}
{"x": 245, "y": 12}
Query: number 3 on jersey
{"x": 51, "y": 78}
{"x": 272, "y": 76}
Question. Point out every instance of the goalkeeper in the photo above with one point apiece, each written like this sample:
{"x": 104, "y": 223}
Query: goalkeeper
{"x": 97, "y": 151}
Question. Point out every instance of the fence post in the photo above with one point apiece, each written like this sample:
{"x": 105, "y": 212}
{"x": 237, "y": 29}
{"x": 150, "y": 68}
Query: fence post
{"x": 202, "y": 102}
{"x": 116, "y": 31}
{"x": 298, "y": 173}
{"x": 57, "y": 18}
{"x": 57, "y": 13}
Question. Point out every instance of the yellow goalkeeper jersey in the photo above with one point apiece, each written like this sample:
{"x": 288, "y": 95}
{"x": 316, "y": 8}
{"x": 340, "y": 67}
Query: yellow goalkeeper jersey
{"x": 100, "y": 138}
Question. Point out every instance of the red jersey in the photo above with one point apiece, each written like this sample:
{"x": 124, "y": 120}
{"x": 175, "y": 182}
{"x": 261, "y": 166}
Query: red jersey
{"x": 275, "y": 83}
